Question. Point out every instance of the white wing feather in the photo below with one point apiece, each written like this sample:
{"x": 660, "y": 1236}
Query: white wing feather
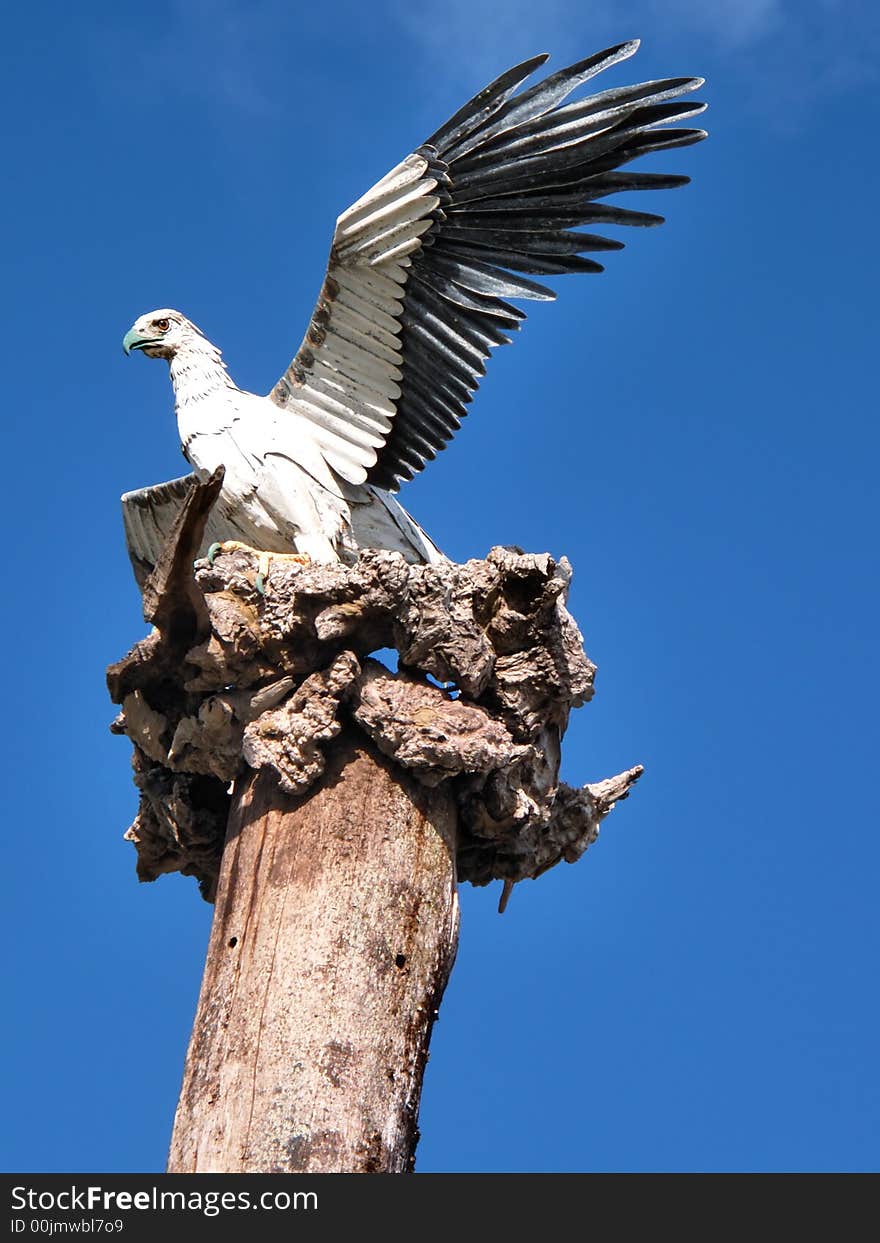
{"x": 341, "y": 388}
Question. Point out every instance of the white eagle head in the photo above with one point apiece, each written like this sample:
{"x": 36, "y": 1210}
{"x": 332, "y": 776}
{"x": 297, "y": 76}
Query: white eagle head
{"x": 162, "y": 334}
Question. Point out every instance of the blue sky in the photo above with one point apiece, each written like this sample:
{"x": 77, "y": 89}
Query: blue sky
{"x": 696, "y": 429}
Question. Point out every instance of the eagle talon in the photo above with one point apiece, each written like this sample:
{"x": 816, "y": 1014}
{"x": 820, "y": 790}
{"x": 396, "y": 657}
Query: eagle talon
{"x": 264, "y": 559}
{"x": 262, "y": 571}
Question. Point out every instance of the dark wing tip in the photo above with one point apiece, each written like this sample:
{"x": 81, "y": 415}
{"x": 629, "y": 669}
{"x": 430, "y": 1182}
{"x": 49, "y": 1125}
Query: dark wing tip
{"x": 485, "y": 102}
{"x": 604, "y": 59}
{"x": 508, "y": 216}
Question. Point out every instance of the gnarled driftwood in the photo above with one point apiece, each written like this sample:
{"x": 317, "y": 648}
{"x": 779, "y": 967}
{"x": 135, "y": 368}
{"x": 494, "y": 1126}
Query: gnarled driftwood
{"x": 350, "y": 797}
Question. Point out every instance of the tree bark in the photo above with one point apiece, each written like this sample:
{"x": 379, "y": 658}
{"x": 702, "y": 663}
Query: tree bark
{"x": 360, "y": 797}
{"x": 334, "y": 933}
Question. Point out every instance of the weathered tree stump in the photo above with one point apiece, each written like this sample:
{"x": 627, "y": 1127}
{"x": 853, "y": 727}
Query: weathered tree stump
{"x": 334, "y": 934}
{"x": 350, "y": 799}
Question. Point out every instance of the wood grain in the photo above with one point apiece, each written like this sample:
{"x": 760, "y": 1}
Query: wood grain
{"x": 335, "y": 929}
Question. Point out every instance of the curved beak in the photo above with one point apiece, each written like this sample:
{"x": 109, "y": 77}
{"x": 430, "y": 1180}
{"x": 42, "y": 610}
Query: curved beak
{"x": 134, "y": 341}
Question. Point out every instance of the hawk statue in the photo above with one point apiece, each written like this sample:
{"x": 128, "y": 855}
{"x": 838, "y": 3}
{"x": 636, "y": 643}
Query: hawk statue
{"x": 416, "y": 296}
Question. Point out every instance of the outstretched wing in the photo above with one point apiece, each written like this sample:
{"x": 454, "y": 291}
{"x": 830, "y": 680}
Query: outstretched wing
{"x": 421, "y": 266}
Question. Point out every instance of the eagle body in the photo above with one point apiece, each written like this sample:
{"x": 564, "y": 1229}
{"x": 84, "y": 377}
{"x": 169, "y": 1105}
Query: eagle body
{"x": 417, "y": 294}
{"x": 279, "y": 493}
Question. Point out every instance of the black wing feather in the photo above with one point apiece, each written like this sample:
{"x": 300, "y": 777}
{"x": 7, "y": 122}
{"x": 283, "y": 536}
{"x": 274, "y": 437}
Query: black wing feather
{"x": 518, "y": 175}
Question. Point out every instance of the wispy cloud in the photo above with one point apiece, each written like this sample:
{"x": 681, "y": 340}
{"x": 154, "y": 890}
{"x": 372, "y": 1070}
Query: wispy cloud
{"x": 477, "y": 34}
{"x": 213, "y": 50}
{"x": 477, "y": 38}
{"x": 241, "y": 55}
{"x": 797, "y": 51}
{"x": 212, "y": 47}
{"x": 730, "y": 23}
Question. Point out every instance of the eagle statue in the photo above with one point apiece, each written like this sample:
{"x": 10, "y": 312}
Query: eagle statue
{"x": 416, "y": 295}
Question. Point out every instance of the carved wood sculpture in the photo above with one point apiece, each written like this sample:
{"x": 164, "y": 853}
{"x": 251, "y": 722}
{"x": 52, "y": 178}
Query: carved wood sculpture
{"x": 327, "y": 804}
{"x": 351, "y": 800}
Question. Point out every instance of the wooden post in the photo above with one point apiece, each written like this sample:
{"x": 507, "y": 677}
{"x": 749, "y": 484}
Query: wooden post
{"x": 360, "y": 796}
{"x": 334, "y": 933}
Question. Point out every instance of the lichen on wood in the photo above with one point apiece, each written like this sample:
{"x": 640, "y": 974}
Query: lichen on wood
{"x": 231, "y": 680}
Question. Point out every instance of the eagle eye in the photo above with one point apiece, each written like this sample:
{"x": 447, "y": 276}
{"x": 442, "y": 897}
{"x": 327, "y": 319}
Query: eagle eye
{"x": 162, "y": 324}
